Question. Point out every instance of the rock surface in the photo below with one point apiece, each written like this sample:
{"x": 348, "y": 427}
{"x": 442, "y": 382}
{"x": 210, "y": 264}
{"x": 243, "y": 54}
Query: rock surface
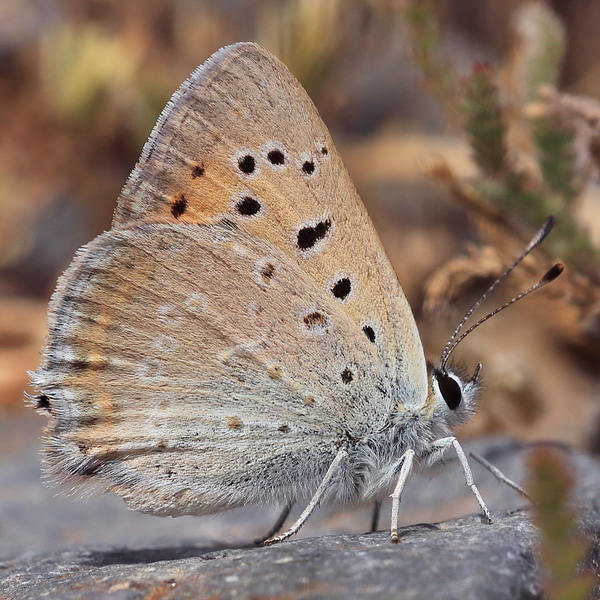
{"x": 101, "y": 550}
{"x": 458, "y": 559}
{"x": 463, "y": 558}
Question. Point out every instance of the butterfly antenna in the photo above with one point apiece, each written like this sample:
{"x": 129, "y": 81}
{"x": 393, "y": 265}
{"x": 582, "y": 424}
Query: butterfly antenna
{"x": 552, "y": 274}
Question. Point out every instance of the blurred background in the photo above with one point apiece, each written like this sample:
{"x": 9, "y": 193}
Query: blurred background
{"x": 463, "y": 123}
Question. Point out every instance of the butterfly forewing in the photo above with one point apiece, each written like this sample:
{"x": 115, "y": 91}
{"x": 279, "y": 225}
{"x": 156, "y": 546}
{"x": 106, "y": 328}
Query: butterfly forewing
{"x": 241, "y": 140}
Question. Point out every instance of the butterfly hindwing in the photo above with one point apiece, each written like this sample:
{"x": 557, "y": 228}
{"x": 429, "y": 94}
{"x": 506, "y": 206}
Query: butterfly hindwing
{"x": 169, "y": 342}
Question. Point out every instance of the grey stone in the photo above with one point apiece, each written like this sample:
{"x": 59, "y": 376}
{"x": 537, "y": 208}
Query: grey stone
{"x": 459, "y": 559}
{"x": 463, "y": 558}
{"x": 100, "y": 550}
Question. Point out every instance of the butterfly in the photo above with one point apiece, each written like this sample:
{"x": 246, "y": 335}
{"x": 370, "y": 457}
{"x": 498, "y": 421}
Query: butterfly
{"x": 239, "y": 336}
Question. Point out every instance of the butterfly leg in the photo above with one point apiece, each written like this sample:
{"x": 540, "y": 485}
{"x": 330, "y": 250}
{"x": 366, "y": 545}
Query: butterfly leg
{"x": 285, "y": 513}
{"x": 375, "y": 515}
{"x": 440, "y": 446}
{"x": 333, "y": 468}
{"x": 407, "y": 464}
{"x": 499, "y": 475}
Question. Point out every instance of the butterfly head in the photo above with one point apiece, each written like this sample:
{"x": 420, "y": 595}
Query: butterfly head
{"x": 454, "y": 395}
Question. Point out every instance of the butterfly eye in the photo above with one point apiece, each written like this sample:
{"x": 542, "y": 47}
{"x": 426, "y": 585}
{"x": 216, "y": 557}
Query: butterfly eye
{"x": 449, "y": 389}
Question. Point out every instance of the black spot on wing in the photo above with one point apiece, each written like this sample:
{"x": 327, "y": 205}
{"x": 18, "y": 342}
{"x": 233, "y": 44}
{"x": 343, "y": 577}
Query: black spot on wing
{"x": 247, "y": 164}
{"x": 248, "y": 206}
{"x": 369, "y": 332}
{"x": 178, "y": 206}
{"x": 276, "y": 157}
{"x": 342, "y": 288}
{"x": 309, "y": 236}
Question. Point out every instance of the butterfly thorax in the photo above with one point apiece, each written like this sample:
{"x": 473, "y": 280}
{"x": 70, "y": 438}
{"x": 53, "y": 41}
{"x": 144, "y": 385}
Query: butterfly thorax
{"x": 377, "y": 459}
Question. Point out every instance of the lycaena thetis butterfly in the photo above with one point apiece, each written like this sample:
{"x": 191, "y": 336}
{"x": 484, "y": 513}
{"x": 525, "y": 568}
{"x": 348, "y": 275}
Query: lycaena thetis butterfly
{"x": 239, "y": 335}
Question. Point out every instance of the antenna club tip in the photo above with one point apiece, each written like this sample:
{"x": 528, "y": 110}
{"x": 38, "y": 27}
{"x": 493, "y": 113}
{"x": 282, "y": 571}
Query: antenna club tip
{"x": 547, "y": 227}
{"x": 553, "y": 273}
